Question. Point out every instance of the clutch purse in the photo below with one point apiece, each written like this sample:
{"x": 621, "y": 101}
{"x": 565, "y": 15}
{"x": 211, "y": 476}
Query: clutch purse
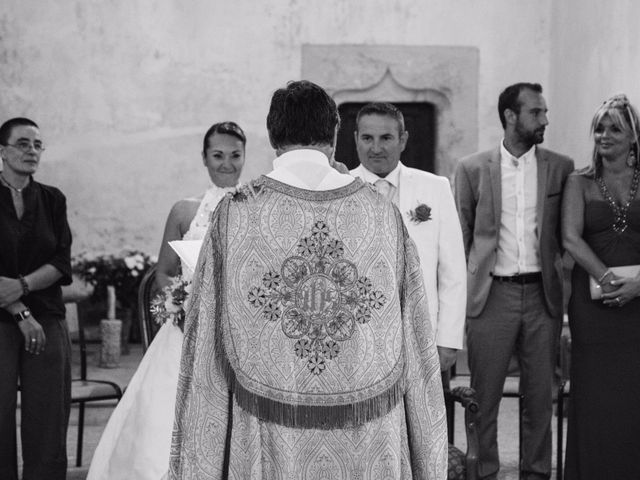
{"x": 625, "y": 271}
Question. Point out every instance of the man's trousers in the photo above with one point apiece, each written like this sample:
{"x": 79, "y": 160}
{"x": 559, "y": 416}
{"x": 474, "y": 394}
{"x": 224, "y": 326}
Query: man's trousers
{"x": 514, "y": 321}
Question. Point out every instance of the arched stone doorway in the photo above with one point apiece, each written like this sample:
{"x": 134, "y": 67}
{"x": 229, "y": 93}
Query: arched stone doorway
{"x": 420, "y": 122}
{"x": 444, "y": 77}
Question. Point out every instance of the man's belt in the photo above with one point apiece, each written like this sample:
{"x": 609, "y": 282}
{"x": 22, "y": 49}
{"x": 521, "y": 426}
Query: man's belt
{"x": 521, "y": 279}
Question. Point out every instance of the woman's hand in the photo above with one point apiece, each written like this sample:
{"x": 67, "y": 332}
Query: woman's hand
{"x": 609, "y": 286}
{"x": 34, "y": 337}
{"x": 10, "y": 291}
{"x": 626, "y": 289}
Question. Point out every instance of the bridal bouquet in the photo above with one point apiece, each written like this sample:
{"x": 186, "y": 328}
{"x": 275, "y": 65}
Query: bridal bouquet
{"x": 170, "y": 304}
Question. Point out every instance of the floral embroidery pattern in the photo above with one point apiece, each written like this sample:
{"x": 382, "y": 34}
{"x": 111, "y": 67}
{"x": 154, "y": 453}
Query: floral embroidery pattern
{"x": 318, "y": 296}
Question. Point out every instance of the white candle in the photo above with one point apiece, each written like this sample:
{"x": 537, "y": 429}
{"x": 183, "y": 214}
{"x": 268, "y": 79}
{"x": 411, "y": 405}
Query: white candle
{"x": 111, "y": 302}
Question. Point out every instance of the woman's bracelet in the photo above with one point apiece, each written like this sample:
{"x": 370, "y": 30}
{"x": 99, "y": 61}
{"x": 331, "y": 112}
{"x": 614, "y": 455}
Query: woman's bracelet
{"x": 604, "y": 275}
{"x": 25, "y": 286}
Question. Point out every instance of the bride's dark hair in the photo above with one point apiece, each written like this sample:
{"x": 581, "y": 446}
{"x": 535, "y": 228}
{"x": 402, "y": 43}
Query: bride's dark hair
{"x": 224, "y": 128}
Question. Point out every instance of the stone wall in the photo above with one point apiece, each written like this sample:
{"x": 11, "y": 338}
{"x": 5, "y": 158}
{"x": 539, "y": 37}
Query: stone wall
{"x": 595, "y": 54}
{"x": 446, "y": 77}
{"x": 123, "y": 90}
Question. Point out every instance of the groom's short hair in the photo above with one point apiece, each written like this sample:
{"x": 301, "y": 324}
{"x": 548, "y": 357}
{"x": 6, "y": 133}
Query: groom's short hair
{"x": 302, "y": 113}
{"x": 382, "y": 109}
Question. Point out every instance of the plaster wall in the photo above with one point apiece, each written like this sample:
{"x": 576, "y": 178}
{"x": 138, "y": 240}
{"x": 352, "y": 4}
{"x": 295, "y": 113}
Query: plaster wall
{"x": 124, "y": 90}
{"x": 595, "y": 54}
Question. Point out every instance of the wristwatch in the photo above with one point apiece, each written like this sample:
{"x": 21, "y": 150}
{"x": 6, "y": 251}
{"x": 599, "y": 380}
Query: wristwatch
{"x": 23, "y": 315}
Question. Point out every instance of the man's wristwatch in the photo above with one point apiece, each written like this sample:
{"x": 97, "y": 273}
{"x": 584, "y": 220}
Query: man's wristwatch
{"x": 23, "y": 315}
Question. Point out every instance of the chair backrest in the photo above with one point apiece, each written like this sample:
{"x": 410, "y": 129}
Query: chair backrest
{"x": 146, "y": 293}
{"x": 463, "y": 465}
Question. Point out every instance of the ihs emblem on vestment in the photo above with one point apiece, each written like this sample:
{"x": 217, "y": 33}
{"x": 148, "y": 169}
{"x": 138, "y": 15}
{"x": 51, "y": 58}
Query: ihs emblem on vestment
{"x": 318, "y": 297}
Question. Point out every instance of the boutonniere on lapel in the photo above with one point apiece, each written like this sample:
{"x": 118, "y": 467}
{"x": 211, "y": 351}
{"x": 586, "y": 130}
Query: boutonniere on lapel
{"x": 421, "y": 213}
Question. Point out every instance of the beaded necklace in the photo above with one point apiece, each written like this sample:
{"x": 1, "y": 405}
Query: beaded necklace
{"x": 620, "y": 212}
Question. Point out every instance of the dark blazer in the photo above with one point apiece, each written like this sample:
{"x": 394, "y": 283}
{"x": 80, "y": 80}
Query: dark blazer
{"x": 478, "y": 194}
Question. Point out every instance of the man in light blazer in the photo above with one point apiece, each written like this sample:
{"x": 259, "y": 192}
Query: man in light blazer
{"x": 508, "y": 200}
{"x": 427, "y": 206}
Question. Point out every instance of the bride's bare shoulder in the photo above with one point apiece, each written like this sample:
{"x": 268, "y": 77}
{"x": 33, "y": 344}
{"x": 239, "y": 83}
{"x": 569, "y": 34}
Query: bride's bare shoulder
{"x": 188, "y": 204}
{"x": 184, "y": 210}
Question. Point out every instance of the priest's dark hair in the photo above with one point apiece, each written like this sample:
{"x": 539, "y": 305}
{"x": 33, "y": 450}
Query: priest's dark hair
{"x": 302, "y": 113}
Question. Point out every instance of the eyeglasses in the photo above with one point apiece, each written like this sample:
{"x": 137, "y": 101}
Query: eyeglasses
{"x": 25, "y": 146}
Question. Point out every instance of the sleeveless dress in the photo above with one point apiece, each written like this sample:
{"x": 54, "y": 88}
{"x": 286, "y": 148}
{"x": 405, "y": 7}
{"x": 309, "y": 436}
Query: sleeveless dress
{"x": 603, "y": 438}
{"x": 136, "y": 441}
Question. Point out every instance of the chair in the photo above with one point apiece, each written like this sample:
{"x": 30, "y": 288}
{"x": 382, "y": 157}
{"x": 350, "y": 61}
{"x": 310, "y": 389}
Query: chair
{"x": 461, "y": 465}
{"x": 84, "y": 390}
{"x": 146, "y": 293}
{"x": 511, "y": 389}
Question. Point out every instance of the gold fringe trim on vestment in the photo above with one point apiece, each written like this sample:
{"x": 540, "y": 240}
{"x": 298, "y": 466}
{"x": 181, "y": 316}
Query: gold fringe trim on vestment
{"x": 325, "y": 417}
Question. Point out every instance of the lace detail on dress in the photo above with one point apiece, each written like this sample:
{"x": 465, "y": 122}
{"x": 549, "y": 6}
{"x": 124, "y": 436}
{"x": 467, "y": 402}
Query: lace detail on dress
{"x": 200, "y": 223}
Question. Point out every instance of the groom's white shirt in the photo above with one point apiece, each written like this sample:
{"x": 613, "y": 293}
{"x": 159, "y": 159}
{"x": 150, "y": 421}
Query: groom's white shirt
{"x": 439, "y": 244}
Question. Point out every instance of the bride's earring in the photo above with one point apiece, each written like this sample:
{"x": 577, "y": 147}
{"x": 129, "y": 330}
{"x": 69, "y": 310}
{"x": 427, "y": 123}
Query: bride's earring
{"x": 631, "y": 159}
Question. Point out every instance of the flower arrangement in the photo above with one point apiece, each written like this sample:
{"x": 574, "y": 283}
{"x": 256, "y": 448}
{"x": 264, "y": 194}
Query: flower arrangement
{"x": 170, "y": 304}
{"x": 123, "y": 270}
{"x": 421, "y": 213}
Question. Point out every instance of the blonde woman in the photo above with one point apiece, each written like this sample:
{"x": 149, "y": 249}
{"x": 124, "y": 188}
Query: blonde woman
{"x": 601, "y": 230}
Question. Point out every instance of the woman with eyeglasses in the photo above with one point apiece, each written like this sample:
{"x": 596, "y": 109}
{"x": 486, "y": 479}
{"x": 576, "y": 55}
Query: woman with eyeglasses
{"x": 601, "y": 231}
{"x": 35, "y": 251}
{"x": 136, "y": 441}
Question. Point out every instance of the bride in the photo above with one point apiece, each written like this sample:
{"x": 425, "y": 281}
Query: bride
{"x": 135, "y": 443}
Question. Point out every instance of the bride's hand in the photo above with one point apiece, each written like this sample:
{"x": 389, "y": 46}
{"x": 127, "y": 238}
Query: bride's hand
{"x": 626, "y": 289}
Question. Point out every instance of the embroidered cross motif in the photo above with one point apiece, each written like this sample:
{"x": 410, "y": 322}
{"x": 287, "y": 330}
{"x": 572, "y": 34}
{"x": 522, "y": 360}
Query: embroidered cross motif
{"x": 318, "y": 296}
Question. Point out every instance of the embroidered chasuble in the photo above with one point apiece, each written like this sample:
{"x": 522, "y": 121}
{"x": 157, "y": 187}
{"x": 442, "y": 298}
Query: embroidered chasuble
{"x": 308, "y": 352}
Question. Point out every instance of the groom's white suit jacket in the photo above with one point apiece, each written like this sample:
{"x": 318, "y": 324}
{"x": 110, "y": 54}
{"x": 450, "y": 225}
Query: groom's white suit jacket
{"x": 440, "y": 247}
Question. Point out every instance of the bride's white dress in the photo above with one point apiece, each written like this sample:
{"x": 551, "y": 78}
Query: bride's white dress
{"x": 136, "y": 441}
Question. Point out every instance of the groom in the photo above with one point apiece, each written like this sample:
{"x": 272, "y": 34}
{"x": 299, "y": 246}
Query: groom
{"x": 426, "y": 202}
{"x": 308, "y": 348}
